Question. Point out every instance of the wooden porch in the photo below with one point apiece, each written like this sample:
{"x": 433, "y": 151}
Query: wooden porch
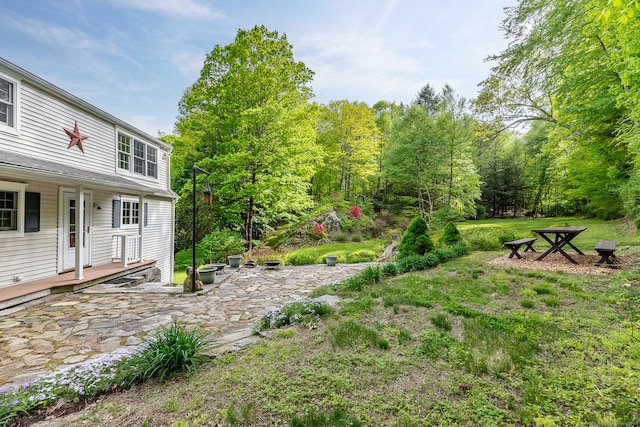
{"x": 66, "y": 282}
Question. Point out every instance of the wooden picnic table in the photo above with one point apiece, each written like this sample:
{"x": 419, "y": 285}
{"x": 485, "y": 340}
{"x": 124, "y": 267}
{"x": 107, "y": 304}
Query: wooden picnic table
{"x": 559, "y": 237}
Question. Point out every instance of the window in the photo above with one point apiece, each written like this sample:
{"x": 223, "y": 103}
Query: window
{"x": 130, "y": 212}
{"x": 137, "y": 156}
{"x": 8, "y": 104}
{"x": 126, "y": 212}
{"x": 8, "y": 210}
{"x": 11, "y": 209}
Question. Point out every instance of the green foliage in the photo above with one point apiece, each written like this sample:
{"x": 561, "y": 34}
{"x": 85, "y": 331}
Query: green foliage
{"x": 450, "y": 235}
{"x": 488, "y": 239}
{"x": 350, "y": 334}
{"x": 217, "y": 245}
{"x": 349, "y": 253}
{"x": 415, "y": 240}
{"x": 307, "y": 313}
{"x": 170, "y": 350}
{"x": 253, "y": 129}
{"x": 389, "y": 269}
{"x": 315, "y": 418}
{"x": 441, "y": 321}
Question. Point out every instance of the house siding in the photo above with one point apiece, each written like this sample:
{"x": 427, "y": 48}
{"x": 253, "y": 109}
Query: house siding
{"x": 30, "y": 257}
{"x": 44, "y": 113}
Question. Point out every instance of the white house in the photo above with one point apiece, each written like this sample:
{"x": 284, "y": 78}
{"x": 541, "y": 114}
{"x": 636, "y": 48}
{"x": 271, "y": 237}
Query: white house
{"x": 84, "y": 196}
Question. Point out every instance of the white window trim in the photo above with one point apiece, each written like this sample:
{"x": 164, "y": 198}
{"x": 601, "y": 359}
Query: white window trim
{"x": 15, "y": 129}
{"x": 140, "y": 212}
{"x": 20, "y": 189}
{"x": 130, "y": 172}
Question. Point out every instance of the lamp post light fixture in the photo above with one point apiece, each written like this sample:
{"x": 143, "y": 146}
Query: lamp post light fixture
{"x": 206, "y": 199}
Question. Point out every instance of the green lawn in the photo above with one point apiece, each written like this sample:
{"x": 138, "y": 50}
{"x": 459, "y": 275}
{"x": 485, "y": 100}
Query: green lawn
{"x": 466, "y": 343}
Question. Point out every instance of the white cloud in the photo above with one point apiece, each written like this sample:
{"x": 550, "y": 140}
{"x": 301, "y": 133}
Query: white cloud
{"x": 191, "y": 9}
{"x": 189, "y": 62}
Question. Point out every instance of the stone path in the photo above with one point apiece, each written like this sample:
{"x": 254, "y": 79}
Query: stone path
{"x": 67, "y": 329}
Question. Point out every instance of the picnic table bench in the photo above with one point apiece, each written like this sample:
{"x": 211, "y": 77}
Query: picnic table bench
{"x": 606, "y": 249}
{"x": 515, "y": 245}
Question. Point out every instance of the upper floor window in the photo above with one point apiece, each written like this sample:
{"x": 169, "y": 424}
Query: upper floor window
{"x": 137, "y": 156}
{"x": 7, "y": 103}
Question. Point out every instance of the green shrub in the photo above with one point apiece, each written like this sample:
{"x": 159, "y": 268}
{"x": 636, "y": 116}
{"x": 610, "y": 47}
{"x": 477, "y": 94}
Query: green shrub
{"x": 315, "y": 418}
{"x": 441, "y": 321}
{"x": 412, "y": 263}
{"x": 170, "y": 350}
{"x": 219, "y": 244}
{"x": 363, "y": 255}
{"x": 415, "y": 240}
{"x": 450, "y": 235}
{"x": 301, "y": 259}
{"x": 488, "y": 239}
{"x": 340, "y": 236}
{"x": 389, "y": 269}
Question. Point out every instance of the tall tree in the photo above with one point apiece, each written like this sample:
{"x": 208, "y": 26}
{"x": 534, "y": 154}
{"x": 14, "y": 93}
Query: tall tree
{"x": 251, "y": 115}
{"x": 567, "y": 65}
{"x": 414, "y": 159}
{"x": 350, "y": 138}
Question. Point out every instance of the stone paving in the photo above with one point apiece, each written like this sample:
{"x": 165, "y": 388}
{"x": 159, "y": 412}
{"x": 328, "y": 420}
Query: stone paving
{"x": 62, "y": 330}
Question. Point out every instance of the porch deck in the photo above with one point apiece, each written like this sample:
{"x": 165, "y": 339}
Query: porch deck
{"x": 26, "y": 291}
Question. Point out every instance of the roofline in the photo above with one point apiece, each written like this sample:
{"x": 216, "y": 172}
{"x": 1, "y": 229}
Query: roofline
{"x": 52, "y": 89}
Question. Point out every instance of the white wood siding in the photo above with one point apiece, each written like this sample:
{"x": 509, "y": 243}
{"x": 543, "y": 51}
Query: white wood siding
{"x": 43, "y": 119}
{"x": 33, "y": 256}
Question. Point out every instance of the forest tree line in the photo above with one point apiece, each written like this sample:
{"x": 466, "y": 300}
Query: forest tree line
{"x": 554, "y": 130}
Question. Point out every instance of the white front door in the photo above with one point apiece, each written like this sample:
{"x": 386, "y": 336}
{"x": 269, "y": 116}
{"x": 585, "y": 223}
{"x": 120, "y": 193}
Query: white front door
{"x": 73, "y": 237}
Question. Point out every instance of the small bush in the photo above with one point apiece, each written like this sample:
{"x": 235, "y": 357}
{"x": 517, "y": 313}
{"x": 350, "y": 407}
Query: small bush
{"x": 389, "y": 269}
{"x": 170, "y": 350}
{"x": 219, "y": 244}
{"x": 363, "y": 255}
{"x": 450, "y": 235}
{"x": 415, "y": 240}
{"x": 301, "y": 259}
{"x": 340, "y": 236}
{"x": 491, "y": 239}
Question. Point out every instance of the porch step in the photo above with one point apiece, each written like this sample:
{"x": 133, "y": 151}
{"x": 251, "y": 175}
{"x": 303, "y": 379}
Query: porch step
{"x": 21, "y": 293}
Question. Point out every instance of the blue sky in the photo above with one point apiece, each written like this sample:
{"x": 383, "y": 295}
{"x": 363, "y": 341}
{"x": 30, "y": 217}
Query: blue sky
{"x": 134, "y": 58}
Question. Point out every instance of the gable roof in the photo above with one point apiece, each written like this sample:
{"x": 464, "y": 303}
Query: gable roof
{"x": 57, "y": 92}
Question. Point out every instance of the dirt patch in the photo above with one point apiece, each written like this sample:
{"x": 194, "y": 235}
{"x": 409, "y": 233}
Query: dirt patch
{"x": 557, "y": 262}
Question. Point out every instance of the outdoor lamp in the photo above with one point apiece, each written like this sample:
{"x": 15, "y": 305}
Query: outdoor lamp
{"x": 206, "y": 194}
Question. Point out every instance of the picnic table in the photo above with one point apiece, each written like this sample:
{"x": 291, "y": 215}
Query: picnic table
{"x": 558, "y": 238}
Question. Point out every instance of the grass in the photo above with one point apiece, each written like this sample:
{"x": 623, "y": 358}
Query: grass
{"x": 348, "y": 253}
{"x": 464, "y": 343}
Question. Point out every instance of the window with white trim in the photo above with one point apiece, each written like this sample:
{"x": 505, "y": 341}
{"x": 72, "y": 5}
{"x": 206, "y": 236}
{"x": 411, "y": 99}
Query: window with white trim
{"x": 130, "y": 212}
{"x": 8, "y": 104}
{"x": 11, "y": 209}
{"x": 136, "y": 156}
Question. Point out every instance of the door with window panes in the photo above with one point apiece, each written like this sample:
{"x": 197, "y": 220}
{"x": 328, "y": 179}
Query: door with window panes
{"x": 72, "y": 236}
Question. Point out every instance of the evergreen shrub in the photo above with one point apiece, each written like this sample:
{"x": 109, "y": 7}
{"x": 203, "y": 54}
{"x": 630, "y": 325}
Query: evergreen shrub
{"x": 450, "y": 234}
{"x": 415, "y": 240}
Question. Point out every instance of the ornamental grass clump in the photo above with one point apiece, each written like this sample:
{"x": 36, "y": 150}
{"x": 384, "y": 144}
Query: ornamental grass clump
{"x": 171, "y": 350}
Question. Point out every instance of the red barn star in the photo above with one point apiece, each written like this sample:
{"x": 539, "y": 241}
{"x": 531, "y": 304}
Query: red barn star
{"x": 76, "y": 138}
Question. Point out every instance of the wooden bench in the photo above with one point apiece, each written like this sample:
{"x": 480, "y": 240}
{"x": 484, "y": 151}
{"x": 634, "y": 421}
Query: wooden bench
{"x": 606, "y": 249}
{"x": 515, "y": 245}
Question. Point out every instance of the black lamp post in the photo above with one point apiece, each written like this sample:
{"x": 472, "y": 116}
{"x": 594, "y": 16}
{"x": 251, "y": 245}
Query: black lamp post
{"x": 206, "y": 199}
